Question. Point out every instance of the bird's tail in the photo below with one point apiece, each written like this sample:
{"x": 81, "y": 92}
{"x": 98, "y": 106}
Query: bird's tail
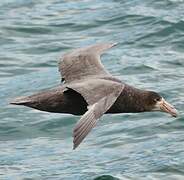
{"x": 51, "y": 100}
{"x": 23, "y": 100}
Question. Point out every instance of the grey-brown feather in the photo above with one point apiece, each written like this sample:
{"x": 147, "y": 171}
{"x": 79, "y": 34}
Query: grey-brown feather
{"x": 84, "y": 62}
{"x": 91, "y": 117}
{"x": 93, "y": 89}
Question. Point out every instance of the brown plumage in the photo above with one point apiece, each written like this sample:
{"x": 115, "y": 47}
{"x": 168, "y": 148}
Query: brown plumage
{"x": 89, "y": 90}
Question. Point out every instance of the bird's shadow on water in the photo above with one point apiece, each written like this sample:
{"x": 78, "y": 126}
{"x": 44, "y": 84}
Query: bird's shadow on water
{"x": 106, "y": 177}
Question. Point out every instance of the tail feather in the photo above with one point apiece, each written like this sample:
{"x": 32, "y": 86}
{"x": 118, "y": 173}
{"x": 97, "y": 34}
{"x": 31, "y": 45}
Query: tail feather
{"x": 21, "y": 100}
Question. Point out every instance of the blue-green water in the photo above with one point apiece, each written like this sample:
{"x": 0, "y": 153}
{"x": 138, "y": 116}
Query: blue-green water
{"x": 150, "y": 55}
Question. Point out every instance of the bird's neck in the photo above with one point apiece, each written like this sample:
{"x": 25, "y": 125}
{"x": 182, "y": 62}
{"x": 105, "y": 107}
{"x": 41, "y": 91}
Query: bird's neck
{"x": 132, "y": 100}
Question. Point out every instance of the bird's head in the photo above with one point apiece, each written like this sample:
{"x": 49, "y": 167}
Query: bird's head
{"x": 155, "y": 102}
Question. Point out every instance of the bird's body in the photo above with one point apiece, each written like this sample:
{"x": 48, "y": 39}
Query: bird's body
{"x": 56, "y": 100}
{"x": 89, "y": 90}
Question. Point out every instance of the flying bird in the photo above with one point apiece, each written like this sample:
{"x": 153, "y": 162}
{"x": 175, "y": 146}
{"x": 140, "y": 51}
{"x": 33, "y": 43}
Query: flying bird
{"x": 88, "y": 89}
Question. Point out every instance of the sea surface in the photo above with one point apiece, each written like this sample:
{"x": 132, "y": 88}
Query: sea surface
{"x": 150, "y": 55}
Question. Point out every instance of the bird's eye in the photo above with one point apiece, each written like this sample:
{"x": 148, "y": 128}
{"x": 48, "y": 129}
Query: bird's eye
{"x": 157, "y": 99}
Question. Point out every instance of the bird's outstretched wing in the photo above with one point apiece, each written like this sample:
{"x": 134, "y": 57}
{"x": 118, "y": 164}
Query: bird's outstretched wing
{"x": 83, "y": 62}
{"x": 100, "y": 94}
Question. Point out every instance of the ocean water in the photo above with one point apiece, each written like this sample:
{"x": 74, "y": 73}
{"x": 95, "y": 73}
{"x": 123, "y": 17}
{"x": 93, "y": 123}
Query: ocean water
{"x": 150, "y": 55}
